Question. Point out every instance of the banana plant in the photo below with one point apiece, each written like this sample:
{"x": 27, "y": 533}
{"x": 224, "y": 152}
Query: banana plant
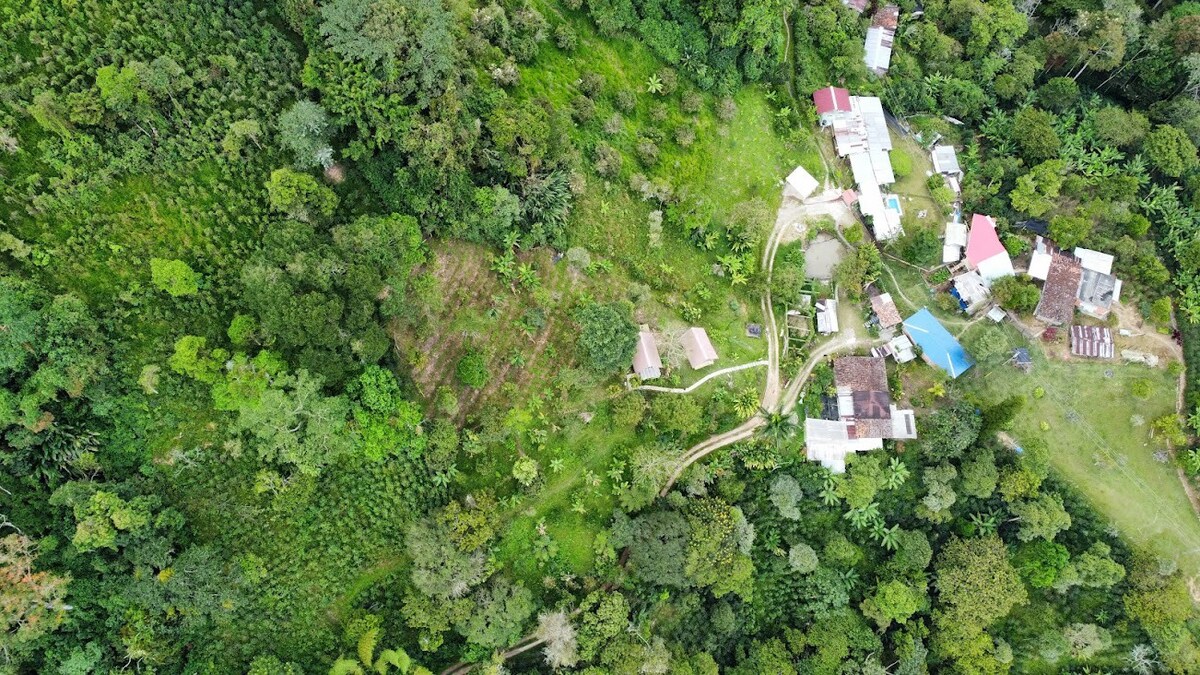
{"x": 383, "y": 664}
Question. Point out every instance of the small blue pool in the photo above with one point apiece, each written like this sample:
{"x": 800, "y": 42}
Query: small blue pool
{"x": 893, "y": 203}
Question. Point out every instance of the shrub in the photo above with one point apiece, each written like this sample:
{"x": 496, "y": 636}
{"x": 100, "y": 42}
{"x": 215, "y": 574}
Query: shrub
{"x": 583, "y": 109}
{"x": 606, "y": 338}
{"x": 1141, "y": 388}
{"x": 591, "y": 84}
{"x": 669, "y": 80}
{"x": 579, "y": 258}
{"x": 659, "y": 113}
{"x": 472, "y": 369}
{"x": 647, "y": 151}
{"x": 626, "y": 100}
{"x": 726, "y": 109}
{"x": 614, "y": 124}
{"x": 565, "y": 38}
{"x": 608, "y": 161}
{"x": 690, "y": 102}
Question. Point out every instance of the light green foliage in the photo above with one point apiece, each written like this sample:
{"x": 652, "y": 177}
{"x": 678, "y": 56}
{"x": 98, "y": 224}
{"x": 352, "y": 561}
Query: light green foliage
{"x": 525, "y": 470}
{"x": 1070, "y": 231}
{"x": 977, "y": 585}
{"x": 786, "y": 495}
{"x": 1091, "y": 569}
{"x": 304, "y": 129}
{"x": 1043, "y": 516}
{"x": 440, "y": 568}
{"x": 174, "y": 276}
{"x": 680, "y": 415}
{"x": 1037, "y": 190}
{"x": 979, "y": 474}
{"x": 1041, "y": 562}
{"x": 193, "y": 359}
{"x": 892, "y": 601}
{"x": 1171, "y": 151}
{"x": 300, "y": 196}
{"x": 102, "y": 519}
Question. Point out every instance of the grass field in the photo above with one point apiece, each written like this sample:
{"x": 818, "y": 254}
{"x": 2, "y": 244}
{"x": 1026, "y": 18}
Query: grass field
{"x": 1096, "y": 443}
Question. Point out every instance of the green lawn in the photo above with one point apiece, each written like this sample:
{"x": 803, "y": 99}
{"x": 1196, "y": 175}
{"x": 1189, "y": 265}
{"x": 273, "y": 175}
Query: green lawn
{"x": 1096, "y": 445}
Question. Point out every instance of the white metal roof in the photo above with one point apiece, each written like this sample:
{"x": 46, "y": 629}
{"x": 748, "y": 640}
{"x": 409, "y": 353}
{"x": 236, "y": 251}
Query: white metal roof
{"x": 956, "y": 234}
{"x": 945, "y": 159}
{"x": 878, "y": 49}
{"x": 871, "y": 109}
{"x": 881, "y": 164}
{"x": 1094, "y": 260}
{"x": 951, "y": 253}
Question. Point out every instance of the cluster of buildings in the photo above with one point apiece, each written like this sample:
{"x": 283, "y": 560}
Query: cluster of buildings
{"x": 647, "y": 363}
{"x": 860, "y": 134}
{"x": 859, "y": 416}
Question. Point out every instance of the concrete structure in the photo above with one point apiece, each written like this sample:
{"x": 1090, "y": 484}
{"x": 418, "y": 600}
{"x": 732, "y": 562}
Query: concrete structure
{"x": 1057, "y": 304}
{"x": 938, "y": 346}
{"x": 997, "y": 313}
{"x": 899, "y": 348}
{"x": 1098, "y": 288}
{"x": 1039, "y": 261}
{"x": 827, "y": 318}
{"x": 699, "y": 350}
{"x": 865, "y": 414}
{"x": 971, "y": 290}
{"x": 945, "y": 160}
{"x": 955, "y": 242}
{"x": 1094, "y": 260}
{"x": 1094, "y": 342}
{"x": 802, "y": 182}
{"x": 646, "y": 361}
{"x": 985, "y": 253}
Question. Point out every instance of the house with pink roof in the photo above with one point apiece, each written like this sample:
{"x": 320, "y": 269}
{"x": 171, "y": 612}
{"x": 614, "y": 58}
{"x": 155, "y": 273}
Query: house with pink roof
{"x": 985, "y": 253}
{"x": 831, "y": 102}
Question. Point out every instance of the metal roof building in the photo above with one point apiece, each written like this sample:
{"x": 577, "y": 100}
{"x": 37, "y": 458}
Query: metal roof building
{"x": 1094, "y": 342}
{"x": 939, "y": 348}
{"x": 646, "y": 361}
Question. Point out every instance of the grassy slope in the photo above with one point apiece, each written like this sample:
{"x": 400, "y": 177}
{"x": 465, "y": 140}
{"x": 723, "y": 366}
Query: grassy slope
{"x": 1096, "y": 446}
{"x": 1100, "y": 452}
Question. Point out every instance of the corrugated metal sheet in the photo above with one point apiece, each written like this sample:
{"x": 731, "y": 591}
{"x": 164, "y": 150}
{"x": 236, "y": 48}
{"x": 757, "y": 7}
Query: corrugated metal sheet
{"x": 1092, "y": 341}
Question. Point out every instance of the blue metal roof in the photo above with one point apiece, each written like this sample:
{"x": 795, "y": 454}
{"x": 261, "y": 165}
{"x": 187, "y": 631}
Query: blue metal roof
{"x": 938, "y": 345}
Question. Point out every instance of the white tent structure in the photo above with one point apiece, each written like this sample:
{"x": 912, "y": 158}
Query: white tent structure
{"x": 802, "y": 182}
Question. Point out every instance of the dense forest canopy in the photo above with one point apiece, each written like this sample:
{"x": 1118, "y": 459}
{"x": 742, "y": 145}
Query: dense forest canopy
{"x": 314, "y": 316}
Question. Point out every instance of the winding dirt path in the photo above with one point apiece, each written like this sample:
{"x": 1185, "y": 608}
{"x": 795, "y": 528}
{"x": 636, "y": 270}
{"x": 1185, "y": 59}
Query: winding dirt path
{"x": 689, "y": 389}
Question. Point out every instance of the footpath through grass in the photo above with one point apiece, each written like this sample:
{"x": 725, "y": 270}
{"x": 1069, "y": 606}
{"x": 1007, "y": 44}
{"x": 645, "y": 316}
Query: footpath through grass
{"x": 1099, "y": 436}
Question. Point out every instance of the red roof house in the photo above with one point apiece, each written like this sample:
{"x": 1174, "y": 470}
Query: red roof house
{"x": 985, "y": 253}
{"x": 830, "y": 101}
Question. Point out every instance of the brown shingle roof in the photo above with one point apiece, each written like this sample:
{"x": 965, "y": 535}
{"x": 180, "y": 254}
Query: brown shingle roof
{"x": 1057, "y": 305}
{"x": 860, "y": 373}
{"x": 885, "y": 309}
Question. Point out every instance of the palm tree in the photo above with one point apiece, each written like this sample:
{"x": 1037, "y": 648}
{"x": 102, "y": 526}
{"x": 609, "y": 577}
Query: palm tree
{"x": 780, "y": 427}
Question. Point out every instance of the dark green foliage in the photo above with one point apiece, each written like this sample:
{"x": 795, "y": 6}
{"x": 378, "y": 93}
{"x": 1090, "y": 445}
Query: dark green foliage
{"x": 948, "y": 432}
{"x": 606, "y": 337}
{"x": 1018, "y": 294}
